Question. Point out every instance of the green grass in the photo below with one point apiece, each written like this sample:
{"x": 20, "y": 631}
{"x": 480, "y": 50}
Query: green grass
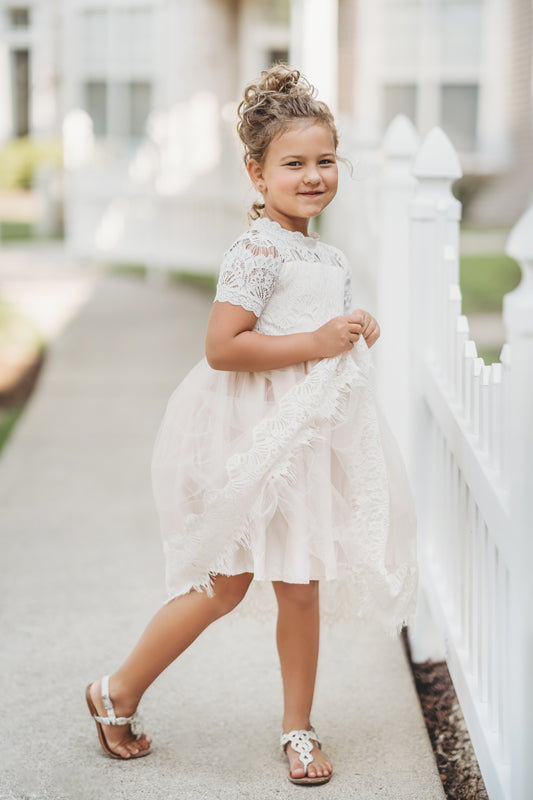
{"x": 8, "y": 419}
{"x": 20, "y": 158}
{"x": 204, "y": 281}
{"x": 18, "y": 331}
{"x": 485, "y": 279}
{"x": 18, "y": 231}
{"x": 14, "y": 231}
{"x": 489, "y": 355}
{"x": 17, "y": 336}
{"x": 201, "y": 280}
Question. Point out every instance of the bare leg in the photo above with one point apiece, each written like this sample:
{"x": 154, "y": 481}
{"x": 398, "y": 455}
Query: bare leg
{"x": 297, "y": 639}
{"x": 173, "y": 628}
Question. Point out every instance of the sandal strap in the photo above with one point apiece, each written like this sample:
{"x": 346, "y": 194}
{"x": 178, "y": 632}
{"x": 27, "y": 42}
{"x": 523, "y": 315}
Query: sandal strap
{"x": 302, "y": 742}
{"x": 111, "y": 719}
{"x": 106, "y": 700}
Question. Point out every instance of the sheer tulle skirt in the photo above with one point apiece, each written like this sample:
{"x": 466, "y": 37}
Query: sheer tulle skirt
{"x": 290, "y": 474}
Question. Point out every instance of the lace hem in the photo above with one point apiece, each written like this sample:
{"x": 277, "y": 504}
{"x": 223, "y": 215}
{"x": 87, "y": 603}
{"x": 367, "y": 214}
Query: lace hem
{"x": 236, "y": 298}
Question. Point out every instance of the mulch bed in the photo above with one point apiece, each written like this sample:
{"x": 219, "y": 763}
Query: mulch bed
{"x": 454, "y": 754}
{"x": 18, "y": 380}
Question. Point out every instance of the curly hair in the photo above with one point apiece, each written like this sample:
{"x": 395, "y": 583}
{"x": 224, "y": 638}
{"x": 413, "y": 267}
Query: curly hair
{"x": 280, "y": 96}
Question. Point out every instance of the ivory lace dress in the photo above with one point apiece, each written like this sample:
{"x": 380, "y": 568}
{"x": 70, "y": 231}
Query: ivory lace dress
{"x": 289, "y": 473}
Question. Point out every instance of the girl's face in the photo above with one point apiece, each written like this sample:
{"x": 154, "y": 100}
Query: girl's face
{"x": 298, "y": 176}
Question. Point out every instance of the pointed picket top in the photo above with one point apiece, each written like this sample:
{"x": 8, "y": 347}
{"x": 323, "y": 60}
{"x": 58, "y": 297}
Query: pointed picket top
{"x": 520, "y": 242}
{"x": 401, "y": 138}
{"x": 437, "y": 157}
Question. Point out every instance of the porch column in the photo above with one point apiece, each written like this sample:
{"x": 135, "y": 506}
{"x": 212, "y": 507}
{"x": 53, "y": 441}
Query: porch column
{"x": 314, "y": 45}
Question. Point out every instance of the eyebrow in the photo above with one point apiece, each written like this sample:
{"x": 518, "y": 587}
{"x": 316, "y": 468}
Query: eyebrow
{"x": 323, "y": 155}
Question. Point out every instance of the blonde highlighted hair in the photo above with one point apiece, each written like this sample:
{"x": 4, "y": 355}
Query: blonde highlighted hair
{"x": 280, "y": 96}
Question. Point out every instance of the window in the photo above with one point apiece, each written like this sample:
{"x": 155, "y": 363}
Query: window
{"x": 140, "y": 98}
{"x": 130, "y": 103}
{"x": 399, "y": 99}
{"x": 459, "y": 106}
{"x": 278, "y": 57}
{"x": 117, "y": 59}
{"x": 96, "y": 104}
{"x": 460, "y": 25}
{"x": 19, "y": 17}
{"x": 21, "y": 97}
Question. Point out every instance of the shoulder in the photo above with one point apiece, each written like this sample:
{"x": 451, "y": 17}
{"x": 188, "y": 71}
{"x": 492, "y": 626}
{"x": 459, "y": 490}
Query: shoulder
{"x": 253, "y": 245}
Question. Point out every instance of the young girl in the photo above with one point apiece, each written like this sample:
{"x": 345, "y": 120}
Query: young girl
{"x": 271, "y": 462}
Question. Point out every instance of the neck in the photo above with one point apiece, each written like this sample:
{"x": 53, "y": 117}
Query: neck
{"x": 299, "y": 225}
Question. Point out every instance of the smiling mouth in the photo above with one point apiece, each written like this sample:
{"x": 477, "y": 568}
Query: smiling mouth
{"x": 311, "y": 194}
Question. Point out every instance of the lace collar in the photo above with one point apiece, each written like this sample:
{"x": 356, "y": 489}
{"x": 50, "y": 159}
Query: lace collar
{"x": 294, "y": 237}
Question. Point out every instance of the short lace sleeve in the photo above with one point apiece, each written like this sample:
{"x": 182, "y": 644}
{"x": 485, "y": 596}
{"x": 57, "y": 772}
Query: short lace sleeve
{"x": 248, "y": 273}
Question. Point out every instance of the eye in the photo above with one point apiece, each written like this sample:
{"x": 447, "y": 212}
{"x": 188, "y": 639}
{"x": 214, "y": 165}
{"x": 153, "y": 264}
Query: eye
{"x": 327, "y": 161}
{"x": 294, "y": 164}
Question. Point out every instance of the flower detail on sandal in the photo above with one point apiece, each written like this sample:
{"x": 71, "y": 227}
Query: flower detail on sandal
{"x": 301, "y": 742}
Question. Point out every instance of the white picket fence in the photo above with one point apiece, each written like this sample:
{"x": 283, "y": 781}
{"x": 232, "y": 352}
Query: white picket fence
{"x": 176, "y": 203}
{"x": 466, "y": 429}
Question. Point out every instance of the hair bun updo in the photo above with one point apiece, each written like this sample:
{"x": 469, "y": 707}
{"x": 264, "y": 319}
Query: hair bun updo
{"x": 281, "y": 79}
{"x": 279, "y": 97}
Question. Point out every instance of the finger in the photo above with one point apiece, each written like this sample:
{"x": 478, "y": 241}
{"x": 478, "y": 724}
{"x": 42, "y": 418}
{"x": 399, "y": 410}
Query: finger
{"x": 372, "y": 339}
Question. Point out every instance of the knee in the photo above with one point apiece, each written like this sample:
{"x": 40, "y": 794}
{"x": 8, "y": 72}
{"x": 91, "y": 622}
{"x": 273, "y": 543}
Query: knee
{"x": 298, "y": 595}
{"x": 229, "y": 591}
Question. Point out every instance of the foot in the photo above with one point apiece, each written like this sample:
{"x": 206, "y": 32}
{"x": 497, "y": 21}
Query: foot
{"x": 320, "y": 766}
{"x": 119, "y": 738}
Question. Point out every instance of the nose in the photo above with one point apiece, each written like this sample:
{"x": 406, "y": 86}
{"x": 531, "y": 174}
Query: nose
{"x": 312, "y": 176}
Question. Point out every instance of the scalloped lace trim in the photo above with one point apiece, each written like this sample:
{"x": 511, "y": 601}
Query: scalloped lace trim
{"x": 278, "y": 230}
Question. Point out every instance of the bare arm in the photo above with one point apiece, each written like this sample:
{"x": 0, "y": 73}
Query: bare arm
{"x": 232, "y": 345}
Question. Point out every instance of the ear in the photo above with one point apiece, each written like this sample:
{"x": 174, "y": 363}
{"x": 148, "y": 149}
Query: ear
{"x": 255, "y": 171}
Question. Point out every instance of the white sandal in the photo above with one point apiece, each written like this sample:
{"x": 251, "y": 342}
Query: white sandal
{"x": 111, "y": 719}
{"x": 302, "y": 743}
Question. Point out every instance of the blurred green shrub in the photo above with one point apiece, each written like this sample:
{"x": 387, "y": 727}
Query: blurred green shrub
{"x": 19, "y": 158}
{"x": 485, "y": 279}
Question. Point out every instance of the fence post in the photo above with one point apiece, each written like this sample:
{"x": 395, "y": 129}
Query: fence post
{"x": 434, "y": 213}
{"x": 396, "y": 189}
{"x": 78, "y": 153}
{"x": 518, "y": 318}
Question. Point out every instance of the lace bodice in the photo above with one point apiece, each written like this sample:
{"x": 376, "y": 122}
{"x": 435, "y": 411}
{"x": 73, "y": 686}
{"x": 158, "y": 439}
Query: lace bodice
{"x": 291, "y": 282}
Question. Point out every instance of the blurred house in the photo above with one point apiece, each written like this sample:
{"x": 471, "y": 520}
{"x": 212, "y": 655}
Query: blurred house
{"x": 461, "y": 64}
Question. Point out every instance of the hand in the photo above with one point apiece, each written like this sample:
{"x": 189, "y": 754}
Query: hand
{"x": 370, "y": 331}
{"x": 339, "y": 334}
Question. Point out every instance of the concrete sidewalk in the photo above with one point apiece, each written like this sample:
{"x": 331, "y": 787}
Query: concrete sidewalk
{"x": 82, "y": 572}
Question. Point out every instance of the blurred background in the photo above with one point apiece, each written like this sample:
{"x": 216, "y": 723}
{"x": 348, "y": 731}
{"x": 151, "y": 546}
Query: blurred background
{"x": 118, "y": 143}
